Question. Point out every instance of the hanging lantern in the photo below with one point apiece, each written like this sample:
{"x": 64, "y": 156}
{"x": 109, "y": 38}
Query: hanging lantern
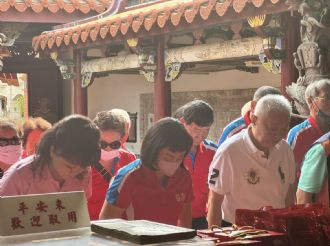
{"x": 272, "y": 54}
{"x": 272, "y": 47}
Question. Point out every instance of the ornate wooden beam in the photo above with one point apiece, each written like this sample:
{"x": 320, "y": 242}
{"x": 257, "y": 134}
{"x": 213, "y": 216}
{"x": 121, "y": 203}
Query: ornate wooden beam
{"x": 111, "y": 64}
{"x": 216, "y": 51}
{"x": 203, "y": 52}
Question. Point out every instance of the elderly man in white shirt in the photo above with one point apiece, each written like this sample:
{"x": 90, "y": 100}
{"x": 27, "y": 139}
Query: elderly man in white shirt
{"x": 254, "y": 168}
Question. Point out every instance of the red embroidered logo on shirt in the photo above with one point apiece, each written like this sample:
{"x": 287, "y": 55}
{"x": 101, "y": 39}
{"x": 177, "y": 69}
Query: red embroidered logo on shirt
{"x": 180, "y": 197}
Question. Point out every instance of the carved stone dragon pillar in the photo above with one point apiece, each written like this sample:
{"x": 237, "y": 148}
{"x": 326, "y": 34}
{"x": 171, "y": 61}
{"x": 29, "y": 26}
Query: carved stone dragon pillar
{"x": 312, "y": 58}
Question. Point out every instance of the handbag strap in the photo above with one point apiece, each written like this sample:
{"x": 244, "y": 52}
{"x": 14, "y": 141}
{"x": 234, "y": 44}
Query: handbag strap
{"x": 105, "y": 174}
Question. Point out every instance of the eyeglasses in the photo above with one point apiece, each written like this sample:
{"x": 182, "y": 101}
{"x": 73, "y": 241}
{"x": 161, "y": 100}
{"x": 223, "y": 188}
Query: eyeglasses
{"x": 10, "y": 141}
{"x": 113, "y": 145}
{"x": 326, "y": 99}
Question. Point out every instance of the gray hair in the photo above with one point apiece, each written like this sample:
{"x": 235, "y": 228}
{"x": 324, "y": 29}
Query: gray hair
{"x": 122, "y": 113}
{"x": 108, "y": 120}
{"x": 265, "y": 90}
{"x": 273, "y": 103}
{"x": 8, "y": 124}
{"x": 314, "y": 89}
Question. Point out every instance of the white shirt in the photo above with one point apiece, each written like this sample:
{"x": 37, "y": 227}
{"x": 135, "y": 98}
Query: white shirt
{"x": 247, "y": 179}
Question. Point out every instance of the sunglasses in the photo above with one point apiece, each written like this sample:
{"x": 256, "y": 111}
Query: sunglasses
{"x": 10, "y": 141}
{"x": 113, "y": 145}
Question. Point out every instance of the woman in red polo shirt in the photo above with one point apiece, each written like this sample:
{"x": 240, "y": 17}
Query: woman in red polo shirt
{"x": 157, "y": 187}
{"x": 112, "y": 128}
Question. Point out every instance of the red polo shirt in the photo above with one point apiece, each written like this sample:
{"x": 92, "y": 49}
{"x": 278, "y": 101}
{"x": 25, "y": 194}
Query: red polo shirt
{"x": 198, "y": 167}
{"x": 137, "y": 187}
{"x": 100, "y": 185}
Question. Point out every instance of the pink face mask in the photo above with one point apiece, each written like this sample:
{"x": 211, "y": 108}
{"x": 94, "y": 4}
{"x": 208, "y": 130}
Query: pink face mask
{"x": 168, "y": 168}
{"x": 10, "y": 154}
{"x": 109, "y": 155}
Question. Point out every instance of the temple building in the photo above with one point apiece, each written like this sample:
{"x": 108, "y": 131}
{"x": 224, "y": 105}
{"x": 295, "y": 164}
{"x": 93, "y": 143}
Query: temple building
{"x": 150, "y": 57}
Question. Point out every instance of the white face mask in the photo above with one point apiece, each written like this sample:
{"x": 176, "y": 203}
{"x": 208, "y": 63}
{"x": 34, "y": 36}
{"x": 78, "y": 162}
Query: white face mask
{"x": 168, "y": 168}
{"x": 109, "y": 155}
{"x": 10, "y": 154}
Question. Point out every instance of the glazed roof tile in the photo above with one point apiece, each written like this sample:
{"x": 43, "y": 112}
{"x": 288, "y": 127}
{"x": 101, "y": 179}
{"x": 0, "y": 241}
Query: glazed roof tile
{"x": 170, "y": 13}
{"x": 53, "y": 6}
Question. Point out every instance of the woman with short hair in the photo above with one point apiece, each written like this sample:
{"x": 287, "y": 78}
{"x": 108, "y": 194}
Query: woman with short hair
{"x": 113, "y": 157}
{"x": 157, "y": 187}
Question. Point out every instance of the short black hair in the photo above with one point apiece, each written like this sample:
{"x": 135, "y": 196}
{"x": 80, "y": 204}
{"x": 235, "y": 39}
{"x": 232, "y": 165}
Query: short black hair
{"x": 198, "y": 112}
{"x": 165, "y": 133}
{"x": 110, "y": 120}
{"x": 74, "y": 138}
{"x": 178, "y": 114}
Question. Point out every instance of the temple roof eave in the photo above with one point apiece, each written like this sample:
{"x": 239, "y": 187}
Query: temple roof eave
{"x": 160, "y": 18}
{"x": 55, "y": 6}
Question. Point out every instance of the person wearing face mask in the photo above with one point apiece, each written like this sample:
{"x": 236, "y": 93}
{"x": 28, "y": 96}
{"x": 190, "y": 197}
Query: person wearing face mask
{"x": 113, "y": 129}
{"x": 197, "y": 117}
{"x": 254, "y": 168}
{"x": 10, "y": 145}
{"x": 61, "y": 163}
{"x": 157, "y": 187}
{"x": 302, "y": 136}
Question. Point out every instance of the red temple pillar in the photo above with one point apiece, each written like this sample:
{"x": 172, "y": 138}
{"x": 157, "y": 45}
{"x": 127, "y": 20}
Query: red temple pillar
{"x": 80, "y": 93}
{"x": 168, "y": 99}
{"x": 291, "y": 41}
{"x": 162, "y": 89}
